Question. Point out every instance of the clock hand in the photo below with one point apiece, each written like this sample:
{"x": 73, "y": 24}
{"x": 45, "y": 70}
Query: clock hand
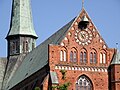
{"x": 83, "y": 36}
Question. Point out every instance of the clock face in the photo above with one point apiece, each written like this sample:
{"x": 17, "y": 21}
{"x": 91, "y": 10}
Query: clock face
{"x": 83, "y": 37}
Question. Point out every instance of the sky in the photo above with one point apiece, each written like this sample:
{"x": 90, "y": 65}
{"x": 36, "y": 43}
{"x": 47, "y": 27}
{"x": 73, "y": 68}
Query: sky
{"x": 51, "y": 15}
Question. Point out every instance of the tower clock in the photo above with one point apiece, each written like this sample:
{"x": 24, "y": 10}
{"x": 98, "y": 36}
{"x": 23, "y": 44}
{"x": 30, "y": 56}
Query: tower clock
{"x": 83, "y": 37}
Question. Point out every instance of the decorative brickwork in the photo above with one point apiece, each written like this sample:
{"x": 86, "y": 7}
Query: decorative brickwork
{"x": 90, "y": 58}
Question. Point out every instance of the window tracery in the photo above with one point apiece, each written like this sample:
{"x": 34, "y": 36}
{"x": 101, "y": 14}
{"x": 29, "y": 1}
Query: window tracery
{"x": 83, "y": 56}
{"x": 73, "y": 55}
{"x": 93, "y": 56}
{"x": 83, "y": 83}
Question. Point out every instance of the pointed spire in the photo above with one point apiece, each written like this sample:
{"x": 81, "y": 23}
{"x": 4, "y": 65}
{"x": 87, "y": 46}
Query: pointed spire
{"x": 116, "y": 58}
{"x": 21, "y": 19}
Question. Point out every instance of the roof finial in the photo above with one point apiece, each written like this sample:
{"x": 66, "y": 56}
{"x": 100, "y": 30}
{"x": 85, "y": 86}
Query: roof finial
{"x": 82, "y": 3}
{"x": 117, "y": 45}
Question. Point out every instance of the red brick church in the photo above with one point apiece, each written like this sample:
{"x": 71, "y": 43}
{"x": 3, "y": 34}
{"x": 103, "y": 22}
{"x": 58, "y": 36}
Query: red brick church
{"x": 75, "y": 57}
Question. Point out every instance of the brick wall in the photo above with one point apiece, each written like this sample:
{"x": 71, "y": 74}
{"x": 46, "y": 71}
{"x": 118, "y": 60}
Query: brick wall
{"x": 115, "y": 77}
{"x": 97, "y": 73}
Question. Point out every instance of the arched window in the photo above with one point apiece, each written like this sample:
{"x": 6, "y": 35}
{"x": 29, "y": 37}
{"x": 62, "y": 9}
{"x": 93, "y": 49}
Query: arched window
{"x": 62, "y": 55}
{"x": 14, "y": 47}
{"x": 83, "y": 83}
{"x": 26, "y": 44}
{"x": 71, "y": 56}
{"x": 102, "y": 57}
{"x": 93, "y": 56}
{"x": 74, "y": 56}
{"x": 83, "y": 56}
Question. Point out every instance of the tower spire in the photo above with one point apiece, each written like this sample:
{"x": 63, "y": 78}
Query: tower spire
{"x": 21, "y": 19}
{"x": 21, "y": 36}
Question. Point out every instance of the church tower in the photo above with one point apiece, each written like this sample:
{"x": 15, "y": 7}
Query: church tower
{"x": 21, "y": 37}
{"x": 115, "y": 72}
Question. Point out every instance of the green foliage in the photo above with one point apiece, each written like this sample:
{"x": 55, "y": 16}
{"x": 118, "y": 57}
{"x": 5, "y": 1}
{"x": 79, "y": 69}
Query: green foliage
{"x": 62, "y": 87}
{"x": 63, "y": 74}
{"x": 37, "y": 88}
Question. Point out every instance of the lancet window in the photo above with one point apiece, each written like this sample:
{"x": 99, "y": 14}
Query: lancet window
{"x": 83, "y": 56}
{"x": 63, "y": 55}
{"x": 73, "y": 55}
{"x": 93, "y": 56}
{"x": 102, "y": 57}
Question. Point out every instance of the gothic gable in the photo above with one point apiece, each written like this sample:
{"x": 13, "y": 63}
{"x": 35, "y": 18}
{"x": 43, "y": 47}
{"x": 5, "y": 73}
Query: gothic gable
{"x": 84, "y": 47}
{"x": 81, "y": 51}
{"x": 90, "y": 37}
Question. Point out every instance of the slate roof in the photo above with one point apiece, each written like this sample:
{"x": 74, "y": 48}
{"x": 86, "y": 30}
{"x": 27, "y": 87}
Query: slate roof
{"x": 12, "y": 65}
{"x": 3, "y": 62}
{"x": 37, "y": 58}
{"x": 116, "y": 58}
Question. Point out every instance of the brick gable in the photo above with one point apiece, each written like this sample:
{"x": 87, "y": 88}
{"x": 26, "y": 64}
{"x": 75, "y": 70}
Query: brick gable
{"x": 60, "y": 56}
